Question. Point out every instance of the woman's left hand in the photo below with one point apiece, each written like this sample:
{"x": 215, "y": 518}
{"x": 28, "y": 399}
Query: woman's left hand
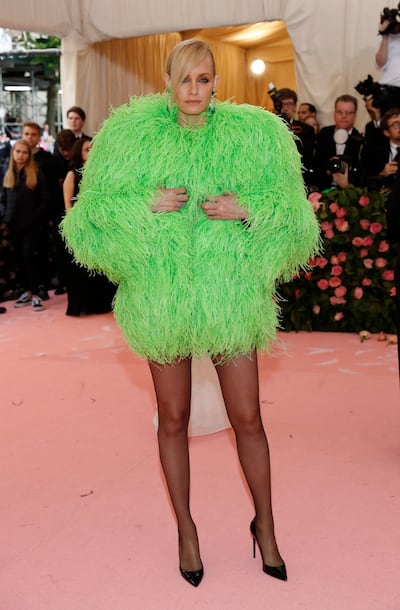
{"x": 224, "y": 207}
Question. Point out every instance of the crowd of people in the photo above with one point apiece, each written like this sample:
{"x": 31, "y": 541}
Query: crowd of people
{"x": 36, "y": 191}
{"x": 333, "y": 156}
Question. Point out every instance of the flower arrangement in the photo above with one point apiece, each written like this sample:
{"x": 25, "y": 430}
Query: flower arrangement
{"x": 350, "y": 285}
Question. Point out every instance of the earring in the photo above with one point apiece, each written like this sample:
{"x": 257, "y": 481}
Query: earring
{"x": 211, "y": 105}
{"x": 169, "y": 100}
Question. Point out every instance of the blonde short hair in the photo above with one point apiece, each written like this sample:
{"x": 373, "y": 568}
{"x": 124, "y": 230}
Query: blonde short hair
{"x": 184, "y": 57}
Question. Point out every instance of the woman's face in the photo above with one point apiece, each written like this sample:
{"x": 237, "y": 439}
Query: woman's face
{"x": 20, "y": 154}
{"x": 193, "y": 94}
{"x": 85, "y": 151}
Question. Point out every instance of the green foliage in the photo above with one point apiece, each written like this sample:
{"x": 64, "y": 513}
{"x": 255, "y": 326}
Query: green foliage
{"x": 350, "y": 287}
{"x": 51, "y": 63}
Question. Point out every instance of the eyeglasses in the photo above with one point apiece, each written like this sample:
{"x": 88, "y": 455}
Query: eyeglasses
{"x": 395, "y": 124}
{"x": 345, "y": 112}
{"x": 288, "y": 104}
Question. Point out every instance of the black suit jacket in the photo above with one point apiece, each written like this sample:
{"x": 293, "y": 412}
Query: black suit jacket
{"x": 305, "y": 142}
{"x": 374, "y": 158}
{"x": 326, "y": 149}
{"x": 393, "y": 212}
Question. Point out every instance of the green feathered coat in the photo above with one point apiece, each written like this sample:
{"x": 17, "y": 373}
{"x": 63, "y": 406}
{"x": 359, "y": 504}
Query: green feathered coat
{"x": 188, "y": 285}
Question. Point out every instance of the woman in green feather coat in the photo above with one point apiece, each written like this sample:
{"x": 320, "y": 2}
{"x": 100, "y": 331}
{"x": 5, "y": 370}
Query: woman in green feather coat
{"x": 196, "y": 209}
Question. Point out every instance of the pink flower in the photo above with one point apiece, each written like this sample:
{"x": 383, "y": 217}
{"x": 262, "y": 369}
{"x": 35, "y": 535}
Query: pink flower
{"x": 341, "y": 225}
{"x": 333, "y": 207}
{"x": 363, "y": 201}
{"x": 366, "y": 281}
{"x": 342, "y": 257}
{"x": 340, "y": 291}
{"x": 341, "y": 213}
{"x": 329, "y": 234}
{"x": 383, "y": 246}
{"x": 338, "y": 316}
{"x": 316, "y": 309}
{"x": 357, "y": 242}
{"x": 323, "y": 284}
{"x": 358, "y": 292}
{"x": 388, "y": 275}
{"x": 334, "y": 260}
{"x": 337, "y": 301}
{"x": 375, "y": 228}
{"x": 334, "y": 282}
{"x": 368, "y": 263}
{"x": 325, "y": 226}
{"x": 314, "y": 196}
{"x": 393, "y": 291}
{"x": 368, "y": 241}
{"x": 322, "y": 262}
{"x": 380, "y": 263}
{"x": 363, "y": 252}
{"x": 337, "y": 270}
{"x": 364, "y": 223}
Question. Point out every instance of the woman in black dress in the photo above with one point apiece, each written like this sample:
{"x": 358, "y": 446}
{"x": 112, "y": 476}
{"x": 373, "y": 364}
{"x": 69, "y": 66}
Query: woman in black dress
{"x": 88, "y": 292}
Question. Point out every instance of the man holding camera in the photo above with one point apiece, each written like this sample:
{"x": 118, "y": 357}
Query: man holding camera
{"x": 381, "y": 161}
{"x": 337, "y": 154}
{"x": 285, "y": 101}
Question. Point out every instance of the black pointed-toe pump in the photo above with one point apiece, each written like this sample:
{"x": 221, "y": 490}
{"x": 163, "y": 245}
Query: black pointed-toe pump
{"x": 193, "y": 578}
{"x": 274, "y": 571}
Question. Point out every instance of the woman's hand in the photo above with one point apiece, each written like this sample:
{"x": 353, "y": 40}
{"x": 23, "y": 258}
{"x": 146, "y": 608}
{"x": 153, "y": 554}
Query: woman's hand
{"x": 224, "y": 207}
{"x": 169, "y": 200}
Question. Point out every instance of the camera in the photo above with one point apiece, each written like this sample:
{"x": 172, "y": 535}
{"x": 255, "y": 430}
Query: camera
{"x": 337, "y": 165}
{"x": 277, "y": 102}
{"x": 276, "y": 98}
{"x": 393, "y": 16}
{"x": 370, "y": 88}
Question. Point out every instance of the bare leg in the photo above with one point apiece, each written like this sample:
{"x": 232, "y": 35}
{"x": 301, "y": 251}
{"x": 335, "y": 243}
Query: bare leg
{"x": 239, "y": 385}
{"x": 172, "y": 385}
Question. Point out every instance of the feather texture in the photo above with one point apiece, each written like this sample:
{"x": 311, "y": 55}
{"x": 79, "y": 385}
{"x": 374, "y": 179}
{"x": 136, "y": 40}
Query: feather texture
{"x": 189, "y": 285}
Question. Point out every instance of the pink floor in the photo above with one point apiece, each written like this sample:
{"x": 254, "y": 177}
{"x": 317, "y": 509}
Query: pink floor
{"x": 84, "y": 519}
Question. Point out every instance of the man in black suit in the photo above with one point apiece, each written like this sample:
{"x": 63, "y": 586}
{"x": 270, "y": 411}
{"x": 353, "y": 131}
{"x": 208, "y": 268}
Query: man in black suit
{"x": 393, "y": 235}
{"x": 381, "y": 161}
{"x": 342, "y": 141}
{"x": 305, "y": 133}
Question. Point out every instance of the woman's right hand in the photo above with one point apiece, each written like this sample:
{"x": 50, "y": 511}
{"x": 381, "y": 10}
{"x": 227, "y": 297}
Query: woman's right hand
{"x": 169, "y": 200}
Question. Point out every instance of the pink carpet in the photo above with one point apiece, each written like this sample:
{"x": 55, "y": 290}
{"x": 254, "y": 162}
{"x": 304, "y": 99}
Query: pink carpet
{"x": 85, "y": 521}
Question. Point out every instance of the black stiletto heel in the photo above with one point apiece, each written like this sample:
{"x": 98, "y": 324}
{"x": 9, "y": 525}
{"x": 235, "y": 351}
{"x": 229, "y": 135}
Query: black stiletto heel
{"x": 193, "y": 578}
{"x": 274, "y": 571}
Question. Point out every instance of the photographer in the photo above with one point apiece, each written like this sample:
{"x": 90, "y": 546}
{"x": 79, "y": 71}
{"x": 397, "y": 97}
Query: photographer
{"x": 337, "y": 154}
{"x": 381, "y": 161}
{"x": 285, "y": 101}
{"x": 388, "y": 58}
{"x": 393, "y": 236}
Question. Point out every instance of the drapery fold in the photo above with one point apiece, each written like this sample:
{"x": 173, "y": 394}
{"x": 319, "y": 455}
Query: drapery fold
{"x": 334, "y": 46}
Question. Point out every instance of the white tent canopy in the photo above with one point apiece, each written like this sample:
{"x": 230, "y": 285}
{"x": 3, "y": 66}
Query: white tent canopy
{"x": 334, "y": 42}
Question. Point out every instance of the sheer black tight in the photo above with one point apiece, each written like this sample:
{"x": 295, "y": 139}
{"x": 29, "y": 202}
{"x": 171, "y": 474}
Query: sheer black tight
{"x": 239, "y": 385}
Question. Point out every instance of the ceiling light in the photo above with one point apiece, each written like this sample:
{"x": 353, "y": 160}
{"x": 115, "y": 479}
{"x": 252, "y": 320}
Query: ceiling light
{"x": 17, "y": 88}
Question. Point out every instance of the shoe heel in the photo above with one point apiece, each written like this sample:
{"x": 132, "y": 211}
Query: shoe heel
{"x": 274, "y": 571}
